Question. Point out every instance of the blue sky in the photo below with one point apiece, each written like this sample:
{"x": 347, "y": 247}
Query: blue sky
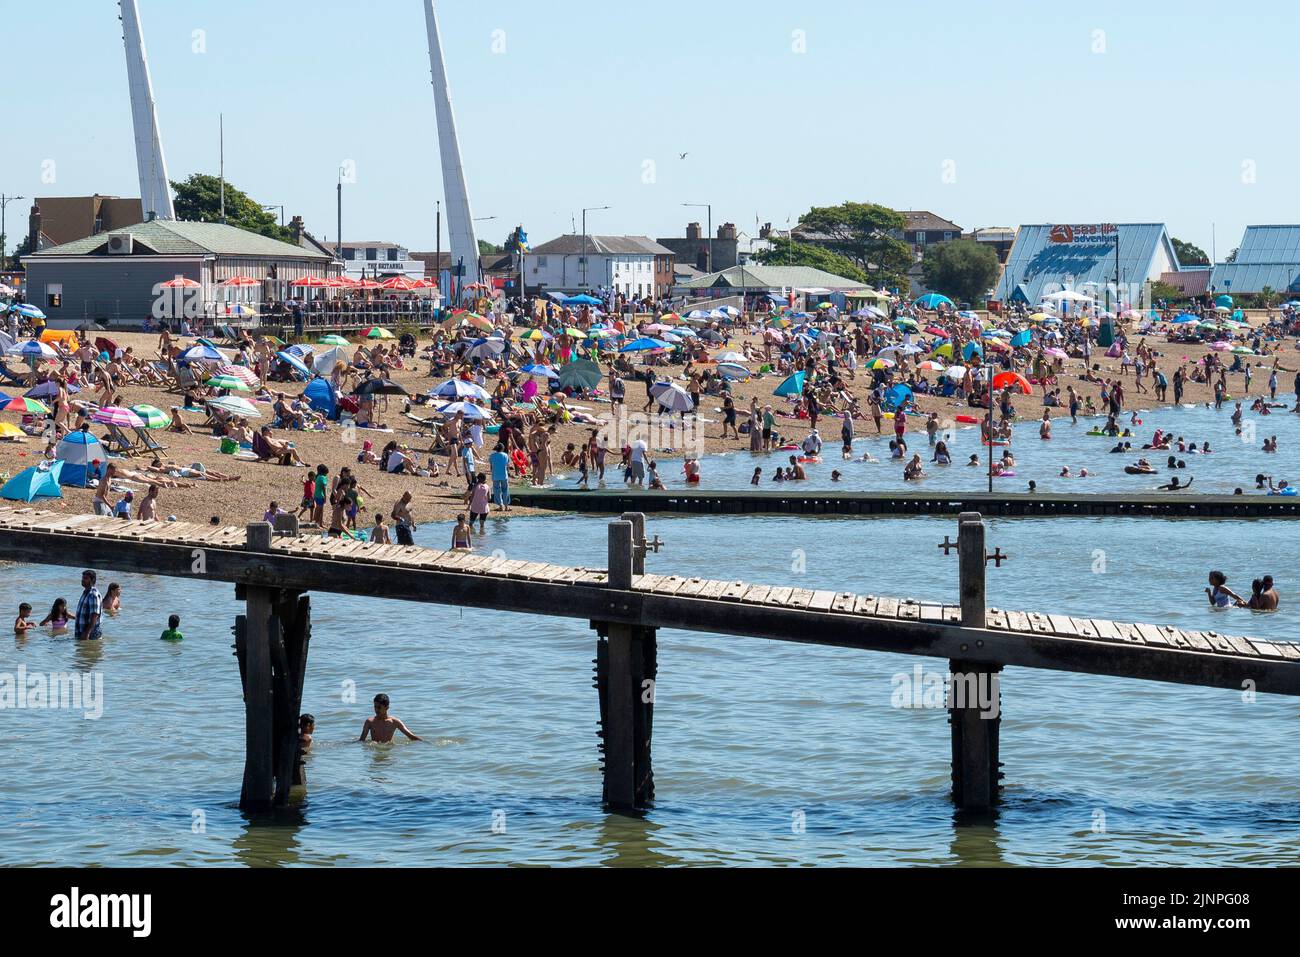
{"x": 1179, "y": 107}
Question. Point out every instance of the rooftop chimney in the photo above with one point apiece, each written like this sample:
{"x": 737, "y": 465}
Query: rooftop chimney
{"x": 766, "y": 231}
{"x": 296, "y": 229}
{"x": 727, "y": 231}
{"x": 693, "y": 231}
{"x": 34, "y": 228}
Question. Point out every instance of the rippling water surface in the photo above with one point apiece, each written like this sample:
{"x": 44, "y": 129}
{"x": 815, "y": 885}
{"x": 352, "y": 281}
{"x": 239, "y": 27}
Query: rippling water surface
{"x": 752, "y": 738}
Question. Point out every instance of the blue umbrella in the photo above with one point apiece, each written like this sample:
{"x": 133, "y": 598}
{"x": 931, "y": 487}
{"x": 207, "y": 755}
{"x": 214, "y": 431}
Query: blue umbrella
{"x": 582, "y": 300}
{"x": 293, "y": 362}
{"x": 202, "y": 353}
{"x": 644, "y": 344}
{"x": 48, "y": 390}
{"x": 1185, "y": 317}
{"x": 971, "y": 349}
{"x": 544, "y": 372}
{"x": 28, "y": 310}
{"x": 1224, "y": 300}
{"x": 791, "y": 386}
{"x": 460, "y": 389}
{"x": 933, "y": 300}
{"x": 1022, "y": 338}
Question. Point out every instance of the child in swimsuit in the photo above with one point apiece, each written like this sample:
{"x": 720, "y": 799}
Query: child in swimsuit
{"x": 57, "y": 619}
{"x": 1220, "y": 595}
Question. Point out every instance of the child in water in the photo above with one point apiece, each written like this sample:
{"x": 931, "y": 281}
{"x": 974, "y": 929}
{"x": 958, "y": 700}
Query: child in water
{"x": 23, "y": 623}
{"x": 383, "y": 726}
{"x": 1220, "y": 595}
{"x": 173, "y": 632}
{"x": 306, "y": 728}
{"x": 57, "y": 619}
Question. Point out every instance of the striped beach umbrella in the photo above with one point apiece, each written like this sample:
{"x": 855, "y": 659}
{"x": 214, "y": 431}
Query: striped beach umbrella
{"x": 242, "y": 373}
{"x": 376, "y": 332}
{"x": 228, "y": 382}
{"x": 236, "y": 406}
{"x": 332, "y": 340}
{"x": 31, "y": 350}
{"x": 24, "y": 405}
{"x": 152, "y": 416}
{"x": 118, "y": 416}
{"x": 534, "y": 335}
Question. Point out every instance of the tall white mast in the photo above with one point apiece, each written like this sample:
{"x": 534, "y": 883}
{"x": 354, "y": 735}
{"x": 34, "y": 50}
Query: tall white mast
{"x": 155, "y": 190}
{"x": 460, "y": 221}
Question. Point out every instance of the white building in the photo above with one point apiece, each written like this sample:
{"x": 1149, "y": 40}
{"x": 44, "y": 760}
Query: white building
{"x": 631, "y": 265}
{"x": 380, "y": 261}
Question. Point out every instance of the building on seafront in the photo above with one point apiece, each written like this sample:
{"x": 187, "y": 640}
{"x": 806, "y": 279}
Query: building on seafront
{"x": 629, "y": 265}
{"x": 112, "y": 278}
{"x": 1268, "y": 258}
{"x": 1108, "y": 261}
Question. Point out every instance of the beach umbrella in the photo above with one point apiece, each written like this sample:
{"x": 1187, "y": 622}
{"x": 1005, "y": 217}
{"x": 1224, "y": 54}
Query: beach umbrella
{"x": 236, "y": 406}
{"x": 535, "y": 335}
{"x": 881, "y": 364}
{"x": 152, "y": 416}
{"x": 1225, "y": 301}
{"x": 1021, "y": 338}
{"x": 242, "y": 373}
{"x": 48, "y": 390}
{"x": 118, "y": 416}
{"x": 574, "y": 333}
{"x": 460, "y": 389}
{"x": 644, "y": 344}
{"x": 933, "y": 300}
{"x": 228, "y": 382}
{"x": 241, "y": 281}
{"x": 331, "y": 340}
{"x": 731, "y": 357}
{"x": 1056, "y": 353}
{"x": 24, "y": 405}
{"x": 486, "y": 348}
{"x": 202, "y": 353}
{"x": 32, "y": 350}
{"x": 582, "y": 374}
{"x": 732, "y": 370}
{"x": 897, "y": 396}
{"x": 28, "y": 310}
{"x": 1068, "y": 295}
{"x": 1184, "y": 318}
{"x": 380, "y": 387}
{"x": 929, "y": 365}
{"x": 1012, "y": 380}
{"x": 971, "y": 349}
{"x": 944, "y": 350}
{"x": 10, "y": 431}
{"x": 539, "y": 371}
{"x": 39, "y": 481}
{"x": 658, "y": 327}
{"x": 293, "y": 362}
{"x": 955, "y": 372}
{"x": 905, "y": 323}
{"x": 674, "y": 398}
{"x": 377, "y": 332}
{"x": 791, "y": 386}
{"x": 180, "y": 282}
{"x": 582, "y": 300}
{"x": 467, "y": 410}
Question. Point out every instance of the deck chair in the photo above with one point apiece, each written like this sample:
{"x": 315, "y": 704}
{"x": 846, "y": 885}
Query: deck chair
{"x": 146, "y": 442}
{"x": 118, "y": 442}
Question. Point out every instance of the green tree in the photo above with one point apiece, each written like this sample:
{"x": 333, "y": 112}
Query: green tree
{"x": 1163, "y": 292}
{"x": 867, "y": 234}
{"x": 962, "y": 269}
{"x": 1188, "y": 254}
{"x": 198, "y": 200}
{"x": 486, "y": 248}
{"x": 1232, "y": 256}
{"x": 787, "y": 252}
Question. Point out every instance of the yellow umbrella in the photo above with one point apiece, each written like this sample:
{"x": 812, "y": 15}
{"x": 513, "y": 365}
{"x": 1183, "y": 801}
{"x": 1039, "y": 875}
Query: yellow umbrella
{"x": 10, "y": 431}
{"x": 943, "y": 350}
{"x": 1038, "y": 317}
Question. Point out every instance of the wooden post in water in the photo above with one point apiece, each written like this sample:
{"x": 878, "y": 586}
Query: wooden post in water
{"x": 271, "y": 641}
{"x": 974, "y": 702}
{"x": 625, "y": 659}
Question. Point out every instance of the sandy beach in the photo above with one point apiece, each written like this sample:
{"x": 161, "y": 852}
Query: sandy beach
{"x": 440, "y": 499}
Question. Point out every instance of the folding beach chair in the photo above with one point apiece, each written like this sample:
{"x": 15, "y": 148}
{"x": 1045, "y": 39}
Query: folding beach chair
{"x": 146, "y": 441}
{"x": 118, "y": 442}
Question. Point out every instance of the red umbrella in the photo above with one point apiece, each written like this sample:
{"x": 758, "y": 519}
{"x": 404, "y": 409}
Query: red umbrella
{"x": 1005, "y": 380}
{"x": 426, "y": 284}
{"x": 367, "y": 284}
{"x": 400, "y": 283}
{"x": 180, "y": 282}
{"x": 311, "y": 282}
{"x": 242, "y": 281}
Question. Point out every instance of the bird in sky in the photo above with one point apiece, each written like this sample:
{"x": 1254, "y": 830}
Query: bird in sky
{"x": 683, "y": 155}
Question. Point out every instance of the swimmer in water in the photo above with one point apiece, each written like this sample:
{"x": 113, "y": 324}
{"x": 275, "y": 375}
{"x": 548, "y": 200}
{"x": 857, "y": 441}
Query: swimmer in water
{"x": 1175, "y": 485}
{"x": 1220, "y": 595}
{"x": 306, "y": 727}
{"x": 383, "y": 726}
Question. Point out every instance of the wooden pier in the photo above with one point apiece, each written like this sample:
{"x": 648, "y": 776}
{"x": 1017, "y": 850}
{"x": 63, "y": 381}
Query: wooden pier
{"x": 615, "y": 501}
{"x": 273, "y": 572}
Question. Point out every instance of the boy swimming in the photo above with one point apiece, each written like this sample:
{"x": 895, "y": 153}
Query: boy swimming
{"x": 23, "y": 623}
{"x": 383, "y": 726}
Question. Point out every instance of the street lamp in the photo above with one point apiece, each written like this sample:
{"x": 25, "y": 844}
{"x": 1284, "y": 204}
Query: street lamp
{"x": 4, "y": 236}
{"x": 709, "y": 264}
{"x": 274, "y": 207}
{"x": 589, "y": 209}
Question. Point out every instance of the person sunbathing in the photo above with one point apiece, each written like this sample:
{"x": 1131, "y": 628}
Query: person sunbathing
{"x": 197, "y": 471}
{"x": 266, "y": 447}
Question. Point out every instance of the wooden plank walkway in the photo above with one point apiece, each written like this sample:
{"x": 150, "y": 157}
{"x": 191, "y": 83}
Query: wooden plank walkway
{"x": 907, "y": 502}
{"x": 840, "y": 619}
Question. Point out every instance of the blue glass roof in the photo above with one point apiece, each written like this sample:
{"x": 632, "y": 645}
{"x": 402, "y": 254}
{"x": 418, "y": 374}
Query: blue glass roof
{"x": 1037, "y": 262}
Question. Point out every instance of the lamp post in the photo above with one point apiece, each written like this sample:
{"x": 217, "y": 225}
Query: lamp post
{"x": 4, "y": 235}
{"x": 709, "y": 264}
{"x": 338, "y": 240}
{"x": 274, "y": 207}
{"x": 589, "y": 209}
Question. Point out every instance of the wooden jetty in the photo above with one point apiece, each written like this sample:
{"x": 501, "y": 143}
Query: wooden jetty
{"x": 615, "y": 501}
{"x": 273, "y": 572}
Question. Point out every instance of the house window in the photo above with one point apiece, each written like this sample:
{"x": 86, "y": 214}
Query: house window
{"x": 920, "y": 239}
{"x": 372, "y": 254}
{"x": 392, "y": 255}
{"x": 349, "y": 252}
{"x": 947, "y": 237}
{"x": 541, "y": 262}
{"x": 53, "y": 295}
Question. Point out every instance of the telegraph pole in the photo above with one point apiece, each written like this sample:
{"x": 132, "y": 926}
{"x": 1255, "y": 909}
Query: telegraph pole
{"x": 4, "y": 235}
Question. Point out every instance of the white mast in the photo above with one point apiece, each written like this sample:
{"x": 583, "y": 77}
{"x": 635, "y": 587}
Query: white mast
{"x": 460, "y": 221}
{"x": 155, "y": 190}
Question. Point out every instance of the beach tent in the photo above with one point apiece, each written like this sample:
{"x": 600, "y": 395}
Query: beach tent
{"x": 320, "y": 394}
{"x": 791, "y": 386}
{"x": 33, "y": 483}
{"x": 76, "y": 452}
{"x": 1021, "y": 338}
{"x": 324, "y": 363}
{"x": 897, "y": 397}
{"x": 65, "y": 336}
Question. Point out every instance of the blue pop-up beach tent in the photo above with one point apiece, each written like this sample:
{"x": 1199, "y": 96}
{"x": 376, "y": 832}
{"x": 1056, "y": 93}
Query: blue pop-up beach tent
{"x": 34, "y": 483}
{"x": 791, "y": 386}
{"x": 75, "y": 453}
{"x": 320, "y": 394}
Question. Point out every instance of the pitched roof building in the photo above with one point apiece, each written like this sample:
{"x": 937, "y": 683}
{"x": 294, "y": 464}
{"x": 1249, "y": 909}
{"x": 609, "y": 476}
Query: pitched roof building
{"x": 1268, "y": 256}
{"x": 631, "y": 265}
